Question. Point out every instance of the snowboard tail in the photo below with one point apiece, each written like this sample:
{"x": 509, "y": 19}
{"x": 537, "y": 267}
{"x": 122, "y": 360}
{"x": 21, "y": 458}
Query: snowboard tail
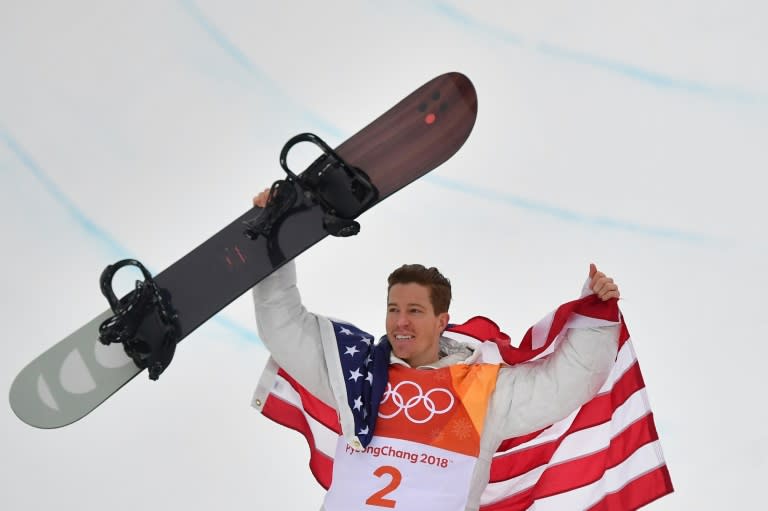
{"x": 418, "y": 134}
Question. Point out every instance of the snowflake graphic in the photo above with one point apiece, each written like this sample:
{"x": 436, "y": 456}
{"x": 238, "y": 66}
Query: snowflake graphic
{"x": 462, "y": 429}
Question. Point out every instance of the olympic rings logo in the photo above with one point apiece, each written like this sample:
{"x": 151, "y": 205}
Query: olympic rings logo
{"x": 412, "y": 402}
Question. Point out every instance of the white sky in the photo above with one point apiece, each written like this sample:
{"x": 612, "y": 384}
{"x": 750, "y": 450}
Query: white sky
{"x": 630, "y": 134}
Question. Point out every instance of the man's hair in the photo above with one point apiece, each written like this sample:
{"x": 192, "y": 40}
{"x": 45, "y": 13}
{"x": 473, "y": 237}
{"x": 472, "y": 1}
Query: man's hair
{"x": 439, "y": 286}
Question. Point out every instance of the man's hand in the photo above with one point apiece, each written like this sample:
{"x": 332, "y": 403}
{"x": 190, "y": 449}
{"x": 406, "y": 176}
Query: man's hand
{"x": 261, "y": 199}
{"x": 601, "y": 285}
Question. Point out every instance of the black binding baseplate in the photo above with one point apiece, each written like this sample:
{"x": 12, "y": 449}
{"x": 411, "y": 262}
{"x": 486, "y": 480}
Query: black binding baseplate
{"x": 342, "y": 191}
{"x": 144, "y": 321}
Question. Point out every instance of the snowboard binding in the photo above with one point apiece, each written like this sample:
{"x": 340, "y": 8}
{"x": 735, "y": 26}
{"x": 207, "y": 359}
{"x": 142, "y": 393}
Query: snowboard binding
{"x": 342, "y": 191}
{"x": 144, "y": 321}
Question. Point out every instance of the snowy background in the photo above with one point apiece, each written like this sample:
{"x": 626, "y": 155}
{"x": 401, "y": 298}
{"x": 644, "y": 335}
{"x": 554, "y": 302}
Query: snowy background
{"x": 631, "y": 134}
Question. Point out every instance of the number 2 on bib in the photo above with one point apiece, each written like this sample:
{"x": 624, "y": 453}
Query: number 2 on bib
{"x": 377, "y": 499}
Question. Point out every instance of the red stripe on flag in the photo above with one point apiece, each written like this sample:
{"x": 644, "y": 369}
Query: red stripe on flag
{"x": 481, "y": 328}
{"x": 288, "y": 415}
{"x": 641, "y": 432}
{"x": 600, "y": 408}
{"x": 594, "y": 307}
{"x": 623, "y": 333}
{"x": 517, "y": 502}
{"x": 641, "y": 491}
{"x": 514, "y": 442}
{"x": 316, "y": 409}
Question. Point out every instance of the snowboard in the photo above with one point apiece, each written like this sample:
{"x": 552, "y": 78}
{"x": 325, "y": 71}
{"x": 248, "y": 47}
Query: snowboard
{"x": 419, "y": 133}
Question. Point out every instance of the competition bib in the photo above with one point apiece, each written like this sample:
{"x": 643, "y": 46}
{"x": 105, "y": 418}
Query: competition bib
{"x": 426, "y": 443}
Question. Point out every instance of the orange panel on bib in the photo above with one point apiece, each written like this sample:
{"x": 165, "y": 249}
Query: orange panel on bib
{"x": 442, "y": 408}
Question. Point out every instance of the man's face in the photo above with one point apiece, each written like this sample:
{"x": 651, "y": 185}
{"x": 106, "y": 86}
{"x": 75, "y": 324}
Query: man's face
{"x": 413, "y": 327}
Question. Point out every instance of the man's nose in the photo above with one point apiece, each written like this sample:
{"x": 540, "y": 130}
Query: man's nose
{"x": 403, "y": 320}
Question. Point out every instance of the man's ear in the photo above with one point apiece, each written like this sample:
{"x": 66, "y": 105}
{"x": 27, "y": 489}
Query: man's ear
{"x": 443, "y": 318}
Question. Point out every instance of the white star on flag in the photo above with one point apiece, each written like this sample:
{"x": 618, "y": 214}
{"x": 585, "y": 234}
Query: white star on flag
{"x": 354, "y": 375}
{"x": 366, "y": 340}
{"x": 351, "y": 350}
{"x": 345, "y": 331}
{"x": 363, "y": 431}
{"x": 358, "y": 404}
{"x": 369, "y": 378}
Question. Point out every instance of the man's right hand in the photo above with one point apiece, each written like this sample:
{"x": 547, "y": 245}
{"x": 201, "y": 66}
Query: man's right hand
{"x": 260, "y": 200}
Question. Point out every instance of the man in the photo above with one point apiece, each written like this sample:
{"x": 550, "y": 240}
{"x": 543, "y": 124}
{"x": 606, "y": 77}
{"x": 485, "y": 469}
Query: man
{"x": 447, "y": 404}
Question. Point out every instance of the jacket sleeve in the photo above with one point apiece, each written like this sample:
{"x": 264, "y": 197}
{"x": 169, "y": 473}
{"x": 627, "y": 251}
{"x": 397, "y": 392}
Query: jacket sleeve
{"x": 292, "y": 335}
{"x": 536, "y": 394}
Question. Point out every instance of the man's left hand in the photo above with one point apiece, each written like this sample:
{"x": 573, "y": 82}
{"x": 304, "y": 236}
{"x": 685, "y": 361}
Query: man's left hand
{"x": 603, "y": 286}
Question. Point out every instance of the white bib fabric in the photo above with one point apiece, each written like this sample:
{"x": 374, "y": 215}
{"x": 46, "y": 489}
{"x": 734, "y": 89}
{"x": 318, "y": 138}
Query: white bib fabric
{"x": 398, "y": 474}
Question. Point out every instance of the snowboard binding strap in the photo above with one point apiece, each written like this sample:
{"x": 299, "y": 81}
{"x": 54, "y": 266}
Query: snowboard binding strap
{"x": 144, "y": 321}
{"x": 342, "y": 191}
{"x": 282, "y": 197}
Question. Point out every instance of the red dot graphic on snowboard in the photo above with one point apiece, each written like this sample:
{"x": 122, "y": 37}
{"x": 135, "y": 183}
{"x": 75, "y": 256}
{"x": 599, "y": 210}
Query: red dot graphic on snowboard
{"x": 432, "y": 108}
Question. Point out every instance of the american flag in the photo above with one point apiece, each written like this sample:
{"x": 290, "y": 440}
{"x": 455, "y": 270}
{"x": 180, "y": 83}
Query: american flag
{"x": 605, "y": 456}
{"x": 364, "y": 365}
